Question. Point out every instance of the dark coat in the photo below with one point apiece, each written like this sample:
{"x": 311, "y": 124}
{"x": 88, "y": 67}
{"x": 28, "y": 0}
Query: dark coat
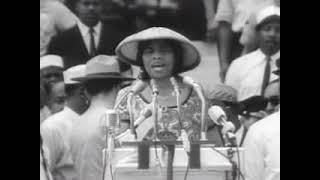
{"x": 71, "y": 47}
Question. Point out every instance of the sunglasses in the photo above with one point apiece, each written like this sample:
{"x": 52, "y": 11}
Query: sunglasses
{"x": 274, "y": 100}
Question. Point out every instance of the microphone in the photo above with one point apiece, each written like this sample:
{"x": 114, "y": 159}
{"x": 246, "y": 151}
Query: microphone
{"x": 110, "y": 122}
{"x": 145, "y": 113}
{"x": 155, "y": 93}
{"x": 177, "y": 91}
{"x": 183, "y": 132}
{"x": 189, "y": 81}
{"x": 175, "y": 85}
{"x": 154, "y": 87}
{"x": 219, "y": 117}
{"x": 144, "y": 123}
{"x": 136, "y": 88}
{"x": 185, "y": 141}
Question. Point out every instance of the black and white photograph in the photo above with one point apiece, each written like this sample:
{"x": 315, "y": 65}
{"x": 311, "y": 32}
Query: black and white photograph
{"x": 160, "y": 89}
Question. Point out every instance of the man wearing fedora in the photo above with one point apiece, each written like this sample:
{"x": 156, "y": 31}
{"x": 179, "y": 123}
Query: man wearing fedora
{"x": 251, "y": 73}
{"x": 102, "y": 81}
{"x": 57, "y": 128}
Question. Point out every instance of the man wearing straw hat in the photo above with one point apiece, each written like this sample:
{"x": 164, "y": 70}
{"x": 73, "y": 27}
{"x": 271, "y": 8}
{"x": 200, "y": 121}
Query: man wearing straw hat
{"x": 102, "y": 80}
{"x": 57, "y": 128}
{"x": 51, "y": 68}
{"x": 251, "y": 73}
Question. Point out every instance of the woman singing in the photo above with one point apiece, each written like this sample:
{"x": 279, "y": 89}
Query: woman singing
{"x": 161, "y": 54}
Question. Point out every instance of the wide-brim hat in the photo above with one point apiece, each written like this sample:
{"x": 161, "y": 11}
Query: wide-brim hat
{"x": 102, "y": 67}
{"x": 74, "y": 72}
{"x": 127, "y": 49}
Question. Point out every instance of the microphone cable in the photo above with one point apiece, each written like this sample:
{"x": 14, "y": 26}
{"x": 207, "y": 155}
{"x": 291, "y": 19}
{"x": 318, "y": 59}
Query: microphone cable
{"x": 238, "y": 169}
{"x": 239, "y": 163}
{"x": 188, "y": 167}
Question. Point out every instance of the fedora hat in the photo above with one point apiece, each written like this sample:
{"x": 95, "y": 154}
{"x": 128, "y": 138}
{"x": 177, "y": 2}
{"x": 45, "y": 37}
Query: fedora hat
{"x": 74, "y": 72}
{"x": 127, "y": 49}
{"x": 102, "y": 67}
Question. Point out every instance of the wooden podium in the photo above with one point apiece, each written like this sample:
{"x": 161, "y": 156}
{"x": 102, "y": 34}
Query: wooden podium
{"x": 213, "y": 165}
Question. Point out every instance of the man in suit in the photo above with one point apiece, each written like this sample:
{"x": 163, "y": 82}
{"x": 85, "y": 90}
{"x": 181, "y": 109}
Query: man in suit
{"x": 90, "y": 37}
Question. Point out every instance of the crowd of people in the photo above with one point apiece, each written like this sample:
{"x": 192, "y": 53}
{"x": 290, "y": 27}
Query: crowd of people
{"x": 86, "y": 70}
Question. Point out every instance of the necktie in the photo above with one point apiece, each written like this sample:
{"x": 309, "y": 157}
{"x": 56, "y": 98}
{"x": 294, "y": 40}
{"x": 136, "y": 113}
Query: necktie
{"x": 92, "y": 43}
{"x": 266, "y": 75}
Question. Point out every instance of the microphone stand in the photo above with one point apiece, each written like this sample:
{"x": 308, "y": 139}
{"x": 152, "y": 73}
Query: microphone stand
{"x": 110, "y": 125}
{"x": 199, "y": 92}
{"x": 203, "y": 135}
{"x": 130, "y": 109}
{"x": 177, "y": 91}
{"x": 106, "y": 153}
{"x": 155, "y": 93}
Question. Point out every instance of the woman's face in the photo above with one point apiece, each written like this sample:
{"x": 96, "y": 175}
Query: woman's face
{"x": 158, "y": 59}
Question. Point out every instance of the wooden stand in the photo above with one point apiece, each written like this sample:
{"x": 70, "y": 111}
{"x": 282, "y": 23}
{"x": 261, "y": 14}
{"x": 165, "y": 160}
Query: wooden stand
{"x": 213, "y": 165}
{"x": 144, "y": 153}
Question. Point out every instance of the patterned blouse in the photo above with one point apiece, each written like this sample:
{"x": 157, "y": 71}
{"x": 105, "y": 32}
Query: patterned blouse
{"x": 168, "y": 123}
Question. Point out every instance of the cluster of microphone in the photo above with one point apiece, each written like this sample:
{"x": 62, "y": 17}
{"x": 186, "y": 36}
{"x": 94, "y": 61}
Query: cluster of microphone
{"x": 216, "y": 113}
{"x": 111, "y": 122}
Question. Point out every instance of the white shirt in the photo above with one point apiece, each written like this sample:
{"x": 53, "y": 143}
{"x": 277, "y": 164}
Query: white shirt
{"x": 245, "y": 74}
{"x": 56, "y": 132}
{"x": 87, "y": 142}
{"x": 44, "y": 173}
{"x": 237, "y": 12}
{"x": 84, "y": 30}
{"x": 44, "y": 114}
{"x": 262, "y": 149}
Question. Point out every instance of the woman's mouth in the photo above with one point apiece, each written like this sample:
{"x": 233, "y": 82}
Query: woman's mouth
{"x": 158, "y": 67}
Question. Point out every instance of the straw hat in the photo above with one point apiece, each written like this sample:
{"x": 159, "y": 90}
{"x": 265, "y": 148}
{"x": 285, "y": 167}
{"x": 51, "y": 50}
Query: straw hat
{"x": 74, "y": 72}
{"x": 50, "y": 60}
{"x": 267, "y": 14}
{"x": 102, "y": 67}
{"x": 128, "y": 48}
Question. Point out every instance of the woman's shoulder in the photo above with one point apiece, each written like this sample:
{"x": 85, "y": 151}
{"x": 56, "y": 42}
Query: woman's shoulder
{"x": 123, "y": 95}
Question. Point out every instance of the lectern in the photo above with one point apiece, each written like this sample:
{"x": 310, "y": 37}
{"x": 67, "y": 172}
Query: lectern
{"x": 213, "y": 163}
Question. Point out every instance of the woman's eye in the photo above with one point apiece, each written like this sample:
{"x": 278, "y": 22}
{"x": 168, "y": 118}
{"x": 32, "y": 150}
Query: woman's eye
{"x": 166, "y": 50}
{"x": 148, "y": 50}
